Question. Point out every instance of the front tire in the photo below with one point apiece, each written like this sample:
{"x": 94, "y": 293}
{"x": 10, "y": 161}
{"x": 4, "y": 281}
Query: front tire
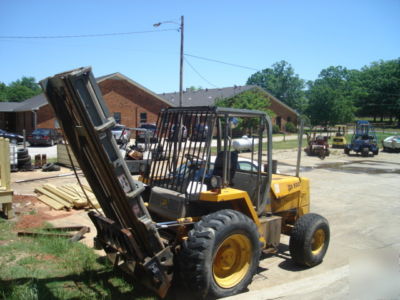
{"x": 309, "y": 240}
{"x": 364, "y": 152}
{"x": 221, "y": 254}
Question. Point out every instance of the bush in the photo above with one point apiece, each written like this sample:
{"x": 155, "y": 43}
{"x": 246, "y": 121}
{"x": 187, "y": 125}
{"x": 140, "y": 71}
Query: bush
{"x": 290, "y": 127}
{"x": 275, "y": 129}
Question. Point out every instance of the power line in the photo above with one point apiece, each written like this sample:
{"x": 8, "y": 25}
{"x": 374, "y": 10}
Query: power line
{"x": 221, "y": 62}
{"x": 81, "y": 35}
{"x": 193, "y": 68}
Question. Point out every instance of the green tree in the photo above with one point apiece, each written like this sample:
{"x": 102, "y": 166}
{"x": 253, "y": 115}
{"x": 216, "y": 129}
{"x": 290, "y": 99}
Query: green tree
{"x": 283, "y": 83}
{"x": 331, "y": 96}
{"x": 3, "y": 91}
{"x": 380, "y": 83}
{"x": 255, "y": 99}
{"x": 19, "y": 90}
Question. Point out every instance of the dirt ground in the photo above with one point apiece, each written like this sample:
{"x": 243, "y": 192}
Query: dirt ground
{"x": 360, "y": 197}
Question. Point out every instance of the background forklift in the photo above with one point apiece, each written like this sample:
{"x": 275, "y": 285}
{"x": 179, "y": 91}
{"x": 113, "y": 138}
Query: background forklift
{"x": 317, "y": 143}
{"x": 195, "y": 215}
{"x": 339, "y": 140}
{"x": 363, "y": 140}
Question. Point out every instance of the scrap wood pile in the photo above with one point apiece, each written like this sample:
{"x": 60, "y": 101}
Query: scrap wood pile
{"x": 66, "y": 196}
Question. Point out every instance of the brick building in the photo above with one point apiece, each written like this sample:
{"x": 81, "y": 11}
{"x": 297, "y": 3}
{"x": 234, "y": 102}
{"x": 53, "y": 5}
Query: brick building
{"x": 208, "y": 97}
{"x": 128, "y": 102}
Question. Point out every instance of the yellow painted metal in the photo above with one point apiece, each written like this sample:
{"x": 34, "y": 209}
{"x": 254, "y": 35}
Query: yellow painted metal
{"x": 318, "y": 241}
{"x": 241, "y": 202}
{"x": 231, "y": 194}
{"x": 289, "y": 192}
{"x": 232, "y": 260}
{"x": 339, "y": 140}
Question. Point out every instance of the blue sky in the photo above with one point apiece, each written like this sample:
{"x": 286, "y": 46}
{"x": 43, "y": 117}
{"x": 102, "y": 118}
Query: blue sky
{"x": 310, "y": 35}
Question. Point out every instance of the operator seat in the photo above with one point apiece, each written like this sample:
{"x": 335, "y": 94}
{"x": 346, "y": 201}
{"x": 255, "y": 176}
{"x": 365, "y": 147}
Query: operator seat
{"x": 219, "y": 165}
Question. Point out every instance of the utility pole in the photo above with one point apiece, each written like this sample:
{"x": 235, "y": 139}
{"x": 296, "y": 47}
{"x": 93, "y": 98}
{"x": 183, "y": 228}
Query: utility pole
{"x": 181, "y": 28}
{"x": 181, "y": 65}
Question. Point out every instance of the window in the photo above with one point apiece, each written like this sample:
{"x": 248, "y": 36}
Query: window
{"x": 117, "y": 117}
{"x": 143, "y": 117}
{"x": 247, "y": 166}
{"x": 56, "y": 125}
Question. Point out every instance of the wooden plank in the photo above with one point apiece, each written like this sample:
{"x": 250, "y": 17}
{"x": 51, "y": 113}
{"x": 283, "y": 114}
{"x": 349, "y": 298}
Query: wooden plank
{"x": 53, "y": 196}
{"x": 60, "y": 193}
{"x": 66, "y": 190}
{"x": 88, "y": 188}
{"x": 50, "y": 202}
{"x": 80, "y": 203}
{"x": 63, "y": 158}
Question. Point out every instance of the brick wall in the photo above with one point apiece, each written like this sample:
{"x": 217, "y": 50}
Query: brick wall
{"x": 120, "y": 97}
{"x": 45, "y": 117}
{"x": 130, "y": 100}
{"x": 283, "y": 113}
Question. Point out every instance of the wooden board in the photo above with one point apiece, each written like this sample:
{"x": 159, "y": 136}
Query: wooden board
{"x": 62, "y": 156}
{"x": 63, "y": 195}
{"x": 50, "y": 202}
{"x": 53, "y": 196}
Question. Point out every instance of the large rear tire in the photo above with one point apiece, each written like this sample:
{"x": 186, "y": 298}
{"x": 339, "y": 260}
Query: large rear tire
{"x": 221, "y": 254}
{"x": 309, "y": 240}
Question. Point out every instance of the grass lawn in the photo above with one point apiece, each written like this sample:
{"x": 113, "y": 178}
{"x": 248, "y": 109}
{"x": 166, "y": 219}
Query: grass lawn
{"x": 289, "y": 144}
{"x": 54, "y": 268}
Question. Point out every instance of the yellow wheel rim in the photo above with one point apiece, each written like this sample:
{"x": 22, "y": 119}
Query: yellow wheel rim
{"x": 232, "y": 261}
{"x": 318, "y": 241}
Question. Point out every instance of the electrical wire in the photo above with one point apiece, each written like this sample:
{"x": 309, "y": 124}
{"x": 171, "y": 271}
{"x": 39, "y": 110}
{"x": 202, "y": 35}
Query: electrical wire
{"x": 82, "y": 35}
{"x": 202, "y": 77}
{"x": 221, "y": 62}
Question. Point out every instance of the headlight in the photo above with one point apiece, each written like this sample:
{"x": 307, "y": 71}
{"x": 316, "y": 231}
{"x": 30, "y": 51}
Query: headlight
{"x": 216, "y": 182}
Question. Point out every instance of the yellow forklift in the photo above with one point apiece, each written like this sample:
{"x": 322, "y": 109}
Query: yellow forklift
{"x": 339, "y": 140}
{"x": 202, "y": 214}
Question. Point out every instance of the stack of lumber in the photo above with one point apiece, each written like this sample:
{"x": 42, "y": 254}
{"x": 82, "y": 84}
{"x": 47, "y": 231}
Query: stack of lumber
{"x": 66, "y": 196}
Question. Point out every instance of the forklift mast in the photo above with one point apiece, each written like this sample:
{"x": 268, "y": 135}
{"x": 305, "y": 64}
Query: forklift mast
{"x": 127, "y": 230}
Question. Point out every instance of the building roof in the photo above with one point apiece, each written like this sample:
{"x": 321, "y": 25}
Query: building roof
{"x": 33, "y": 103}
{"x": 120, "y": 76}
{"x": 40, "y": 100}
{"x": 9, "y": 106}
{"x": 208, "y": 97}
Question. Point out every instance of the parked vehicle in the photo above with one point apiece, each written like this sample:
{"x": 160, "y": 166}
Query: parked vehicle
{"x": 317, "y": 144}
{"x": 174, "y": 133}
{"x": 151, "y": 131}
{"x": 391, "y": 143}
{"x": 199, "y": 132}
{"x": 363, "y": 140}
{"x": 121, "y": 133}
{"x": 339, "y": 140}
{"x": 13, "y": 137}
{"x": 44, "y": 136}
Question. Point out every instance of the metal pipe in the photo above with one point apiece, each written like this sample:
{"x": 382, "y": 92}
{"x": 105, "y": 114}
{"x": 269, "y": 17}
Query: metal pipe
{"x": 300, "y": 138}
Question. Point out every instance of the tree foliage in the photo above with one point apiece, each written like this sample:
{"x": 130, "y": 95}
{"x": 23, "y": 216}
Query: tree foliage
{"x": 283, "y": 83}
{"x": 255, "y": 99}
{"x": 19, "y": 90}
{"x": 380, "y": 86}
{"x": 331, "y": 96}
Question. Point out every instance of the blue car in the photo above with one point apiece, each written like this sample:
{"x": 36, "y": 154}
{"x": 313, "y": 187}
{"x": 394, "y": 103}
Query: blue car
{"x": 14, "y": 138}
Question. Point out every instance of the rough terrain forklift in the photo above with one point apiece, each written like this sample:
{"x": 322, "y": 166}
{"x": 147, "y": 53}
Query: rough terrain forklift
{"x": 317, "y": 143}
{"x": 196, "y": 214}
